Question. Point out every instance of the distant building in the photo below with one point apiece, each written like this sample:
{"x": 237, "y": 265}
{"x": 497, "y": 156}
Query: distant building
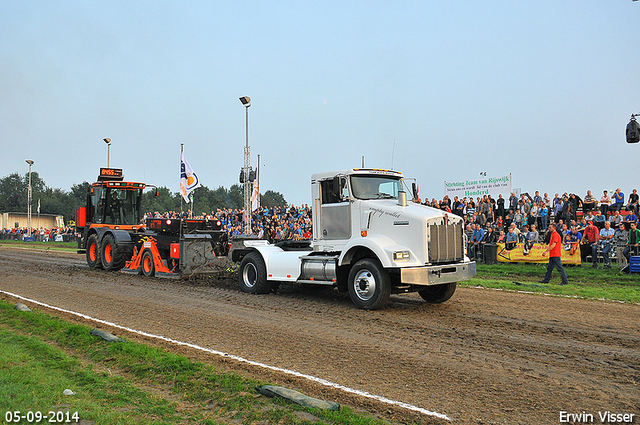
{"x": 20, "y": 219}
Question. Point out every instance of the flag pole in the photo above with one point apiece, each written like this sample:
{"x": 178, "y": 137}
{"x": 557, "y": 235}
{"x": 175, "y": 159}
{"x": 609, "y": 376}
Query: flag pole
{"x": 181, "y": 152}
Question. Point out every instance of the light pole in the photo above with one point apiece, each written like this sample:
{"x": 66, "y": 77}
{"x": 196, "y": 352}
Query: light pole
{"x": 108, "y": 142}
{"x": 30, "y": 162}
{"x": 248, "y": 186}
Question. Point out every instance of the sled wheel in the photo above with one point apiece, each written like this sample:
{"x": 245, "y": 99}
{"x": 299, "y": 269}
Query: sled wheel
{"x": 148, "y": 266}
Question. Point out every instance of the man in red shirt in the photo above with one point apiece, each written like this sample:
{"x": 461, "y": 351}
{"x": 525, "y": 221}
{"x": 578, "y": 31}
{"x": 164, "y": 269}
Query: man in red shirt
{"x": 555, "y": 251}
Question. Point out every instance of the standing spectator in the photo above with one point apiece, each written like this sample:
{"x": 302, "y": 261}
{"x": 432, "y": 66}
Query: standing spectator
{"x": 555, "y": 260}
{"x": 513, "y": 202}
{"x": 618, "y": 200}
{"x": 632, "y": 242}
{"x": 606, "y": 239}
{"x": 500, "y": 205}
{"x": 544, "y": 216}
{"x": 605, "y": 201}
{"x": 620, "y": 238}
{"x": 633, "y": 202}
{"x": 557, "y": 208}
{"x": 547, "y": 200}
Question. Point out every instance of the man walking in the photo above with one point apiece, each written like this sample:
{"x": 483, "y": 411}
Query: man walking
{"x": 555, "y": 251}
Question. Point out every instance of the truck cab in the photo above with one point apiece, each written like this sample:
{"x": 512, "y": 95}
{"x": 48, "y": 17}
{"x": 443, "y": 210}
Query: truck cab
{"x": 367, "y": 240}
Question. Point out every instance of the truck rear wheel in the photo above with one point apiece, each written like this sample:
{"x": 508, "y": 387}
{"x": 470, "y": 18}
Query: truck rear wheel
{"x": 147, "y": 265}
{"x": 252, "y": 274}
{"x": 93, "y": 253}
{"x": 438, "y": 293}
{"x": 369, "y": 284}
{"x": 112, "y": 258}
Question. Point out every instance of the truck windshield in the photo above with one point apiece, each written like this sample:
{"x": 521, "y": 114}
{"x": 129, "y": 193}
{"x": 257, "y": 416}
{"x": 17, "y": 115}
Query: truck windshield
{"x": 375, "y": 187}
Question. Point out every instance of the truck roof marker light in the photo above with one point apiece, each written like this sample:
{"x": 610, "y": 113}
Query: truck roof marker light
{"x": 363, "y": 233}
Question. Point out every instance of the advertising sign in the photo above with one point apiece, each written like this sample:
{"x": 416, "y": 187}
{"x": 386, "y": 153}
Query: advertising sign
{"x": 484, "y": 185}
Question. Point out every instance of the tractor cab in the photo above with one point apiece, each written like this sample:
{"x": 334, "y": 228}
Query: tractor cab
{"x": 111, "y": 203}
{"x": 115, "y": 203}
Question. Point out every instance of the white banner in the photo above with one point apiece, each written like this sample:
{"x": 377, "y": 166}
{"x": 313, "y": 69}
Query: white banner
{"x": 493, "y": 186}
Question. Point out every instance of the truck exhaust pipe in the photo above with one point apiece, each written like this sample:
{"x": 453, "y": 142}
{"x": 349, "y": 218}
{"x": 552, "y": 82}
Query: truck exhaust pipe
{"x": 402, "y": 198}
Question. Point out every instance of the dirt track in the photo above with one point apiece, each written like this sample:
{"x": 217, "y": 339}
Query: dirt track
{"x": 483, "y": 357}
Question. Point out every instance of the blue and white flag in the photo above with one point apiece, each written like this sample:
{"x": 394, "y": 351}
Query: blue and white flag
{"x": 188, "y": 179}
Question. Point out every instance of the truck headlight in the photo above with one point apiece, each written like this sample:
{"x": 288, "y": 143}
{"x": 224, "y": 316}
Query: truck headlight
{"x": 401, "y": 255}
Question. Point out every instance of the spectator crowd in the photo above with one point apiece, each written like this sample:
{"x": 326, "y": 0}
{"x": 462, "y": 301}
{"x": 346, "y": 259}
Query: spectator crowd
{"x": 589, "y": 225}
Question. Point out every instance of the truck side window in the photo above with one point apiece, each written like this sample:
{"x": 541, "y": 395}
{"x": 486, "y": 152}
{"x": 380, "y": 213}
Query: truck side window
{"x": 328, "y": 197}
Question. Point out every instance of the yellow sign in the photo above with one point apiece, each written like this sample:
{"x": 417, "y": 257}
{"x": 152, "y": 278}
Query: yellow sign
{"x": 516, "y": 255}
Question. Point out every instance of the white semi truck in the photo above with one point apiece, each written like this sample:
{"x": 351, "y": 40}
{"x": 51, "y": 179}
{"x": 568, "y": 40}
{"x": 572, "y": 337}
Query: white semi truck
{"x": 367, "y": 240}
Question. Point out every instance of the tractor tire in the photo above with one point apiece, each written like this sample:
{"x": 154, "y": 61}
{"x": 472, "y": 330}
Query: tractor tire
{"x": 438, "y": 293}
{"x": 147, "y": 265}
{"x": 369, "y": 284}
{"x": 113, "y": 259}
{"x": 93, "y": 253}
{"x": 252, "y": 274}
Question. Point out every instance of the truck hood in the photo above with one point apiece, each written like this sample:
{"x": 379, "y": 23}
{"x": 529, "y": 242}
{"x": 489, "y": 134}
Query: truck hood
{"x": 389, "y": 209}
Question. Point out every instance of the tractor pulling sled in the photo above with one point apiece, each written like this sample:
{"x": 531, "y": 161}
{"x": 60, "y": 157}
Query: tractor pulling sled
{"x": 367, "y": 241}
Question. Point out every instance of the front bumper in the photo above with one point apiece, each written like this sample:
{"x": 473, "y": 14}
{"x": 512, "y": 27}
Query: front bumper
{"x": 438, "y": 275}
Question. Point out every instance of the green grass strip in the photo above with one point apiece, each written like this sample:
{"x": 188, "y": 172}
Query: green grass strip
{"x": 128, "y": 382}
{"x": 584, "y": 281}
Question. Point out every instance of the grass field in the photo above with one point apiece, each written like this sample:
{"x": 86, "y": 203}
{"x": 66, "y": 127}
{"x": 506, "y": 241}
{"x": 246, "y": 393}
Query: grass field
{"x": 126, "y": 382}
{"x": 584, "y": 281}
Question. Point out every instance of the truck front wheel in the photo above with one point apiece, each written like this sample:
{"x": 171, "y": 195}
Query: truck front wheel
{"x": 252, "y": 274}
{"x": 369, "y": 284}
{"x": 438, "y": 293}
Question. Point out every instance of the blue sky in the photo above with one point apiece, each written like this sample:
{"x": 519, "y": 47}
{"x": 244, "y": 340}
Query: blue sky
{"x": 541, "y": 89}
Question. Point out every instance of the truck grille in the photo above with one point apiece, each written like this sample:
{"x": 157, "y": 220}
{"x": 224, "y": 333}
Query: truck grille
{"x": 445, "y": 243}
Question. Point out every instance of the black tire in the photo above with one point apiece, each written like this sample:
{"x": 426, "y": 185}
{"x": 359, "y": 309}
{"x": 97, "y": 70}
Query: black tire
{"x": 147, "y": 265}
{"x": 369, "y": 284}
{"x": 113, "y": 259}
{"x": 438, "y": 293}
{"x": 94, "y": 259}
{"x": 252, "y": 274}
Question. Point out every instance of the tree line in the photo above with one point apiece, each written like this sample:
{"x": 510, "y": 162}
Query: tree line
{"x": 14, "y": 195}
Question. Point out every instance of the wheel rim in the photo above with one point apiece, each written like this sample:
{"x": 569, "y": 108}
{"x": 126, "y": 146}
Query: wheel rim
{"x": 92, "y": 252}
{"x": 249, "y": 275}
{"x": 108, "y": 253}
{"x": 146, "y": 263}
{"x": 364, "y": 284}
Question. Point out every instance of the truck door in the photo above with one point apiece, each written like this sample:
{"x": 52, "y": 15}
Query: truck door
{"x": 335, "y": 210}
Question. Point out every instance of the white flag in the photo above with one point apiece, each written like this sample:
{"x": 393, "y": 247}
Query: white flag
{"x": 255, "y": 196}
{"x": 38, "y": 206}
{"x": 188, "y": 179}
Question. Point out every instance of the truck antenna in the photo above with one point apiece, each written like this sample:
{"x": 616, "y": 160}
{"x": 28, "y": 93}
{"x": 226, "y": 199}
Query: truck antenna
{"x": 393, "y": 151}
